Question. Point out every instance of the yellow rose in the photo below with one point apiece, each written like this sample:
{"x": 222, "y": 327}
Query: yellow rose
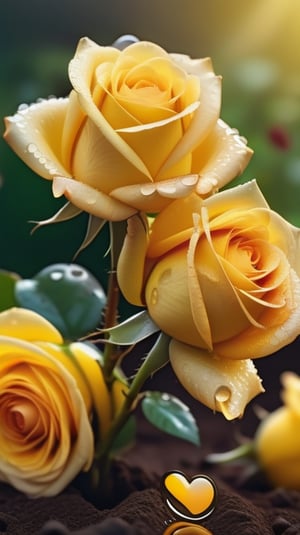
{"x": 140, "y": 128}
{"x": 277, "y": 441}
{"x": 221, "y": 277}
{"x": 47, "y": 396}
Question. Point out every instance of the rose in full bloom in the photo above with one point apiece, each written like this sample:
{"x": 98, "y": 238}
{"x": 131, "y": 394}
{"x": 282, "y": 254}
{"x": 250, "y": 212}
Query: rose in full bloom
{"x": 139, "y": 128}
{"x": 220, "y": 276}
{"x": 277, "y": 441}
{"x": 48, "y": 395}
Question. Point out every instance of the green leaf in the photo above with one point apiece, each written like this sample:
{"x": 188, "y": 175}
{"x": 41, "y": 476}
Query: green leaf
{"x": 169, "y": 414}
{"x": 132, "y": 330}
{"x": 7, "y": 285}
{"x": 67, "y": 295}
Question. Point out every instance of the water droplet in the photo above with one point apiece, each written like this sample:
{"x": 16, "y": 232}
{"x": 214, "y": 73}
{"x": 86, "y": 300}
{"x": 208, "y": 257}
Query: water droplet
{"x": 23, "y": 107}
{"x": 124, "y": 41}
{"x": 32, "y": 148}
{"x": 189, "y": 180}
{"x": 56, "y": 275}
{"x": 154, "y": 296}
{"x": 148, "y": 189}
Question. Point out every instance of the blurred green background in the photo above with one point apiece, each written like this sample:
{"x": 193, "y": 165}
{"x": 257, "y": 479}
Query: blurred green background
{"x": 254, "y": 45}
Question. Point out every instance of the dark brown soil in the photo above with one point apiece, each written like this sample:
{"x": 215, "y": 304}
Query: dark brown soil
{"x": 245, "y": 506}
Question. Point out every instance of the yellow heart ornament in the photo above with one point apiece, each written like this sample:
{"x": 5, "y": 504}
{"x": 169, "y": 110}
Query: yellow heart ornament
{"x": 191, "y": 499}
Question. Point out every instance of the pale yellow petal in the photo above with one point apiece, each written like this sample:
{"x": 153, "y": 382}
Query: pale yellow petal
{"x": 199, "y": 66}
{"x": 280, "y": 328}
{"x": 153, "y": 197}
{"x": 45, "y": 471}
{"x": 87, "y": 358}
{"x": 81, "y": 69}
{"x": 198, "y": 304}
{"x": 174, "y": 225}
{"x": 220, "y": 384}
{"x": 28, "y": 325}
{"x": 277, "y": 446}
{"x": 222, "y": 156}
{"x": 90, "y": 200}
{"x": 35, "y": 134}
{"x": 130, "y": 270}
{"x": 96, "y": 162}
{"x": 168, "y": 302}
{"x": 57, "y": 352}
{"x": 74, "y": 119}
{"x": 242, "y": 197}
{"x": 291, "y": 391}
{"x": 203, "y": 120}
{"x": 142, "y": 51}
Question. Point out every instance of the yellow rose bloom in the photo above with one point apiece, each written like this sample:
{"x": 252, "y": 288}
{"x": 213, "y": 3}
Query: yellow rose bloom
{"x": 46, "y": 402}
{"x": 140, "y": 127}
{"x": 277, "y": 441}
{"x": 221, "y": 277}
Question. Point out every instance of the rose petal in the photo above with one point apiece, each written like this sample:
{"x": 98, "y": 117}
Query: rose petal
{"x": 153, "y": 197}
{"x": 89, "y": 199}
{"x": 134, "y": 247}
{"x": 97, "y": 163}
{"x": 291, "y": 392}
{"x": 174, "y": 225}
{"x": 157, "y": 124}
{"x": 280, "y": 329}
{"x": 87, "y": 358}
{"x": 35, "y": 134}
{"x": 81, "y": 68}
{"x": 46, "y": 470}
{"x": 27, "y": 325}
{"x": 223, "y": 155}
{"x": 221, "y": 384}
{"x": 202, "y": 122}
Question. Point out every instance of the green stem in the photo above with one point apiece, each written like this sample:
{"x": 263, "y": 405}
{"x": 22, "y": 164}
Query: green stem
{"x": 124, "y": 412}
{"x": 110, "y": 355}
{"x": 157, "y": 357}
{"x": 243, "y": 451}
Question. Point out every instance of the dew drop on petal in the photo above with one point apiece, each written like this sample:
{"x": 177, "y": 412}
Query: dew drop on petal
{"x": 90, "y": 201}
{"x": 23, "y": 107}
{"x": 189, "y": 180}
{"x": 148, "y": 189}
{"x": 124, "y": 41}
{"x": 154, "y": 296}
{"x": 32, "y": 148}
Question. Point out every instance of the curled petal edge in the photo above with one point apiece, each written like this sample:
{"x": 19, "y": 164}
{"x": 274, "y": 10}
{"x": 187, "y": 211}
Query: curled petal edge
{"x": 221, "y": 384}
{"x": 132, "y": 260}
{"x": 152, "y": 197}
{"x": 91, "y": 200}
